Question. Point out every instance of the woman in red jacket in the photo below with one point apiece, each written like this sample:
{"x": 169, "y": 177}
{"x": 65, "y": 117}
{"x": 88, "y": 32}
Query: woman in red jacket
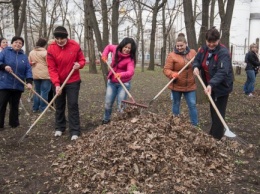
{"x": 63, "y": 55}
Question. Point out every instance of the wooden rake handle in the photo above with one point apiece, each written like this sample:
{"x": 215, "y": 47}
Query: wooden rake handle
{"x": 173, "y": 79}
{"x": 119, "y": 80}
{"x": 228, "y": 133}
{"x": 56, "y": 95}
{"x": 32, "y": 90}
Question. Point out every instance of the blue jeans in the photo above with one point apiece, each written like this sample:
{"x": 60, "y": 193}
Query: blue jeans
{"x": 190, "y": 98}
{"x": 249, "y": 86}
{"x": 114, "y": 90}
{"x": 42, "y": 87}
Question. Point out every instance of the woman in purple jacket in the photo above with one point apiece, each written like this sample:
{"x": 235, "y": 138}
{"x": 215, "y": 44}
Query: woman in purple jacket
{"x": 123, "y": 63}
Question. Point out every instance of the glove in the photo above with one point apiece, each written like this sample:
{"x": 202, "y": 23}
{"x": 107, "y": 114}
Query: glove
{"x": 104, "y": 58}
{"x": 118, "y": 75}
{"x": 175, "y": 75}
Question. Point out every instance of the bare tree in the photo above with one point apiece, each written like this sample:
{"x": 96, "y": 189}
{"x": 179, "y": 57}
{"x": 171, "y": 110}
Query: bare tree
{"x": 171, "y": 15}
{"x": 155, "y": 9}
{"x": 205, "y": 22}
{"x": 226, "y": 17}
{"x": 19, "y": 16}
{"x": 115, "y": 16}
{"x": 105, "y": 22}
{"x": 190, "y": 19}
{"x": 212, "y": 13}
{"x": 90, "y": 40}
{"x": 94, "y": 24}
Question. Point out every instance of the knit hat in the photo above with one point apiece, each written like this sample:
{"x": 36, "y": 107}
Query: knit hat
{"x": 60, "y": 32}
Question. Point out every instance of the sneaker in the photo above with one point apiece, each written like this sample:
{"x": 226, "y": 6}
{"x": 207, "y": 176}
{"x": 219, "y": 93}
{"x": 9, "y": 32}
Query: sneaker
{"x": 74, "y": 137}
{"x": 104, "y": 122}
{"x": 58, "y": 133}
{"x": 251, "y": 95}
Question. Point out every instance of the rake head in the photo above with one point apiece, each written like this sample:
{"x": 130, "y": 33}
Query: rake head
{"x": 133, "y": 103}
{"x": 229, "y": 133}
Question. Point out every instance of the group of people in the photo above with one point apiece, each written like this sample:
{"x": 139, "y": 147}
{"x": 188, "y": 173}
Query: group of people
{"x": 44, "y": 68}
{"x": 212, "y": 62}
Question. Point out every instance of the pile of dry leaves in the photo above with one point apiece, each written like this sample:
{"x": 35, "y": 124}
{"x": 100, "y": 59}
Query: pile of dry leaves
{"x": 145, "y": 153}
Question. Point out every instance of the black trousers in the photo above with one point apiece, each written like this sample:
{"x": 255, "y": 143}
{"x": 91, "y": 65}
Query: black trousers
{"x": 71, "y": 92}
{"x": 217, "y": 129}
{"x": 13, "y": 97}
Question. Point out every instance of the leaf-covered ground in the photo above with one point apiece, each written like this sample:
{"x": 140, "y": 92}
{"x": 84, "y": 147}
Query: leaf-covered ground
{"x": 150, "y": 152}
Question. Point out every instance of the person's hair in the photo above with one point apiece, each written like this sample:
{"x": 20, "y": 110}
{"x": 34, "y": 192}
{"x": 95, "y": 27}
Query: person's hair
{"x": 1, "y": 39}
{"x": 15, "y": 38}
{"x": 181, "y": 38}
{"x": 252, "y": 45}
{"x": 212, "y": 34}
{"x": 42, "y": 42}
{"x": 122, "y": 44}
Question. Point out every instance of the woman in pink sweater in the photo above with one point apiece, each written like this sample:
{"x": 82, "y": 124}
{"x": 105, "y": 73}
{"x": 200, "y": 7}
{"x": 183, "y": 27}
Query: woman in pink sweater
{"x": 123, "y": 63}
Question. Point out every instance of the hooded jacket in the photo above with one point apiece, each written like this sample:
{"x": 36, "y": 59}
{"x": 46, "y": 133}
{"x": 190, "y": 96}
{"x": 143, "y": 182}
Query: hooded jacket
{"x": 219, "y": 69}
{"x": 19, "y": 63}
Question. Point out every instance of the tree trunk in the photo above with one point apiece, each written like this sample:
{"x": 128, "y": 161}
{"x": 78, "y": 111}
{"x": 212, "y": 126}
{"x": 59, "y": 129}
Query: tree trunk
{"x": 115, "y": 16}
{"x": 155, "y": 10}
{"x": 105, "y": 22}
{"x": 90, "y": 42}
{"x": 94, "y": 25}
{"x": 212, "y": 13}
{"x": 19, "y": 18}
{"x": 226, "y": 20}
{"x": 204, "y": 23}
{"x": 163, "y": 49}
{"x": 190, "y": 24}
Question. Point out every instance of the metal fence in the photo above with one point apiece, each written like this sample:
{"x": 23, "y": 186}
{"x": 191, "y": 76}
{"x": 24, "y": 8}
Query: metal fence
{"x": 238, "y": 55}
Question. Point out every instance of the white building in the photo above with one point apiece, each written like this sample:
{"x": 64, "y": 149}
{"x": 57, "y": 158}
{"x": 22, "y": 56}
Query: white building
{"x": 244, "y": 26}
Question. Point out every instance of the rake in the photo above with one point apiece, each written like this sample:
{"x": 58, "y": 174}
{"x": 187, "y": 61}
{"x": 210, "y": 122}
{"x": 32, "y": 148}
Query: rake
{"x": 32, "y": 90}
{"x": 56, "y": 95}
{"x": 132, "y": 102}
{"x": 166, "y": 86}
{"x": 227, "y": 133}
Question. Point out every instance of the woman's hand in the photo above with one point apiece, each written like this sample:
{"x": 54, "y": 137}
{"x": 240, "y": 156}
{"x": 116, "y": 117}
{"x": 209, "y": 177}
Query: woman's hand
{"x": 196, "y": 71}
{"x": 8, "y": 69}
{"x": 29, "y": 86}
{"x": 175, "y": 75}
{"x": 104, "y": 58}
{"x": 76, "y": 65}
{"x": 58, "y": 90}
{"x": 208, "y": 90}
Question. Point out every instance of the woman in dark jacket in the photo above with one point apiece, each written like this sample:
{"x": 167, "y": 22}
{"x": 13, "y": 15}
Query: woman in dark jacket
{"x": 214, "y": 62}
{"x": 252, "y": 65}
{"x": 13, "y": 60}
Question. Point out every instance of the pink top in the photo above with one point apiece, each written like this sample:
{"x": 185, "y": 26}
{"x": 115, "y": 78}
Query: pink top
{"x": 125, "y": 64}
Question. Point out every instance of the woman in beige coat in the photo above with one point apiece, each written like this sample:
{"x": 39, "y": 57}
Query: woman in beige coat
{"x": 42, "y": 83}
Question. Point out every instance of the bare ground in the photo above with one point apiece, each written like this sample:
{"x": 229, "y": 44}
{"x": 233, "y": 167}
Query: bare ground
{"x": 28, "y": 167}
